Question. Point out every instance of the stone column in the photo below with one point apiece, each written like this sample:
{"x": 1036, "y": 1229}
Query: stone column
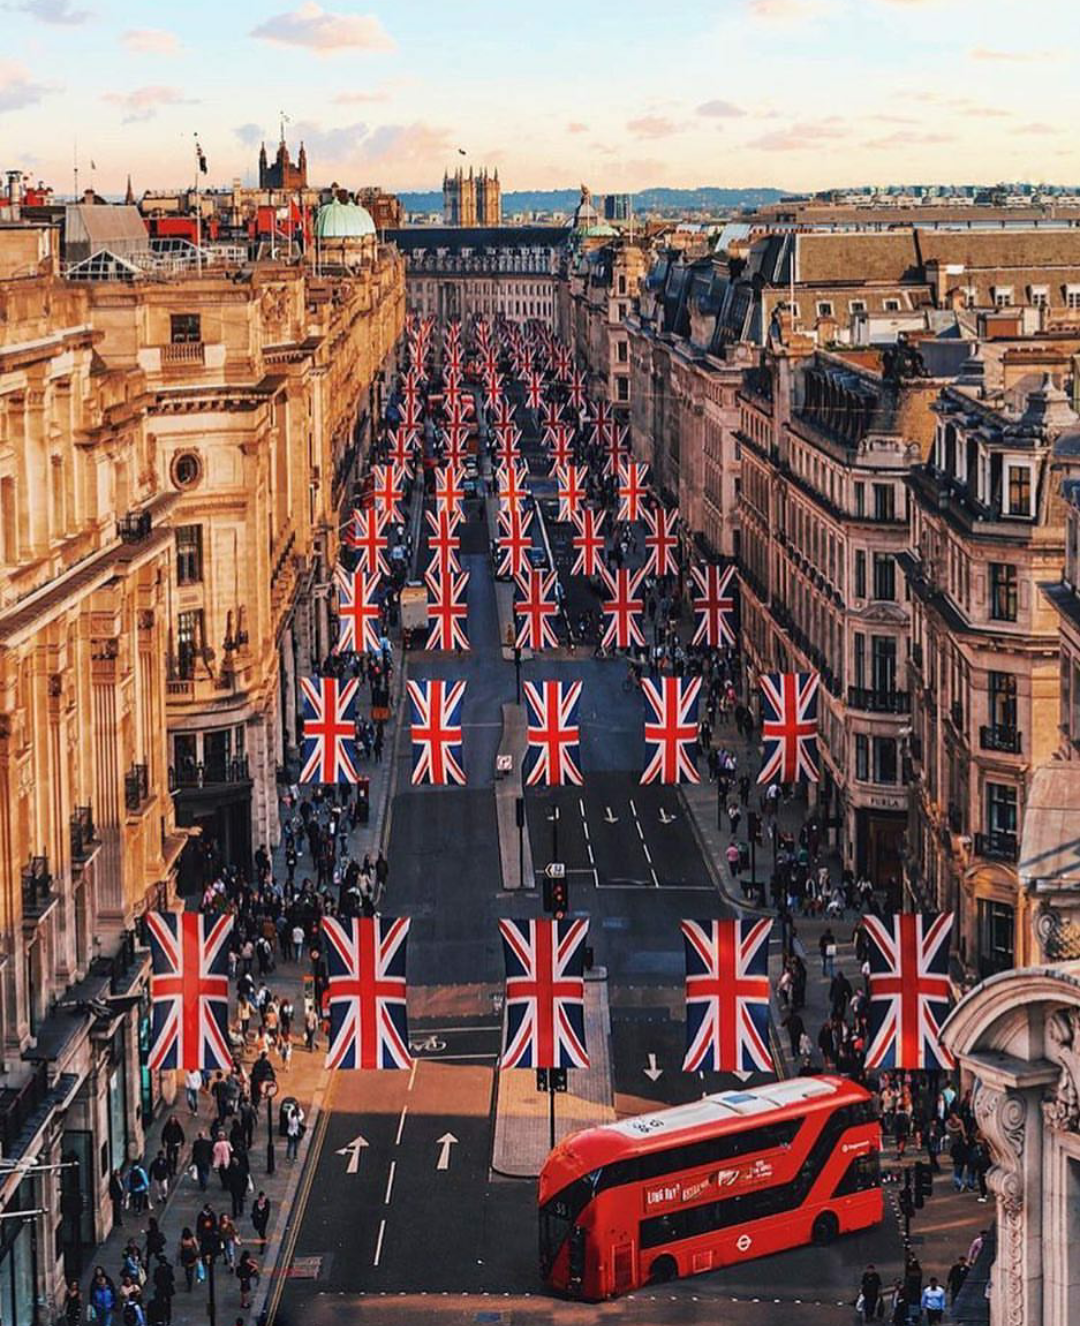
{"x": 288, "y": 682}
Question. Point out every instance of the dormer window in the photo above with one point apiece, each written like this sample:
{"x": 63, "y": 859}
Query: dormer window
{"x": 1003, "y": 296}
{"x": 1039, "y": 296}
{"x": 1019, "y": 490}
{"x": 824, "y": 309}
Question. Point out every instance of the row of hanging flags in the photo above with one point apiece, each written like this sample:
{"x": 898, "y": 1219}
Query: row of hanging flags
{"x": 727, "y": 992}
{"x": 727, "y": 982}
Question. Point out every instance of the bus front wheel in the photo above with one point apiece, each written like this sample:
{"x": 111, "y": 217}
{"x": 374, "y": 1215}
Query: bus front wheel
{"x": 663, "y": 1270}
{"x": 825, "y": 1230}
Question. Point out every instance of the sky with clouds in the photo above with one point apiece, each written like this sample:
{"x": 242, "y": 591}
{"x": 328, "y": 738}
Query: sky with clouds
{"x": 790, "y": 93}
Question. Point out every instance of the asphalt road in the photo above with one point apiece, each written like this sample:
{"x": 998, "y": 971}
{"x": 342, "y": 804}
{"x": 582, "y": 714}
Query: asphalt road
{"x": 403, "y": 1220}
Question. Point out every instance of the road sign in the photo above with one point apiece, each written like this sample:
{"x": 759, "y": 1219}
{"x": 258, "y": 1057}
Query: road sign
{"x": 504, "y": 764}
{"x": 445, "y": 1143}
{"x": 557, "y": 870}
{"x": 353, "y": 1150}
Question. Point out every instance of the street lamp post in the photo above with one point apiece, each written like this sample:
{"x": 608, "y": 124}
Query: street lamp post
{"x": 270, "y": 1088}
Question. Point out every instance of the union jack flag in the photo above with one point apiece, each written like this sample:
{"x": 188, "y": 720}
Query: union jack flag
{"x": 329, "y": 736}
{"x": 448, "y": 610}
{"x": 623, "y": 608}
{"x": 365, "y": 961}
{"x": 617, "y": 450}
{"x": 511, "y": 483}
{"x": 909, "y": 990}
{"x": 571, "y": 480}
{"x": 603, "y": 424}
{"x": 456, "y": 438}
{"x": 537, "y": 607}
{"x": 552, "y": 756}
{"x": 563, "y": 362}
{"x": 436, "y": 731}
{"x": 789, "y": 724}
{"x": 514, "y": 541}
{"x": 368, "y": 538}
{"x": 449, "y": 489}
{"x": 545, "y": 993}
{"x": 661, "y": 541}
{"x": 549, "y": 415}
{"x": 632, "y": 490}
{"x": 588, "y": 543}
{"x": 716, "y": 606}
{"x": 727, "y": 996}
{"x": 506, "y": 443}
{"x": 444, "y": 541}
{"x": 402, "y": 442}
{"x": 534, "y": 391}
{"x": 358, "y": 611}
{"x": 189, "y": 988}
{"x": 560, "y": 438}
{"x": 388, "y": 493}
{"x": 576, "y": 392}
{"x": 673, "y": 730}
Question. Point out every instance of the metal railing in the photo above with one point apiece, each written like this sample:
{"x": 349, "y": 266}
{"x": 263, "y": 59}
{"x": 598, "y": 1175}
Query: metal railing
{"x": 879, "y": 701}
{"x": 136, "y": 786}
{"x": 82, "y": 833}
{"x": 134, "y": 527}
{"x": 36, "y": 886}
{"x": 998, "y": 845}
{"x": 1005, "y": 739}
{"x": 209, "y": 774}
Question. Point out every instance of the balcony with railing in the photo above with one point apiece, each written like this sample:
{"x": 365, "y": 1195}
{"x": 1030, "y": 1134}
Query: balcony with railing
{"x": 134, "y": 526}
{"x": 879, "y": 701}
{"x": 37, "y": 889}
{"x": 1006, "y": 740}
{"x": 83, "y": 841}
{"x": 136, "y": 788}
{"x": 212, "y": 773}
{"x": 184, "y": 352}
{"x": 998, "y": 845}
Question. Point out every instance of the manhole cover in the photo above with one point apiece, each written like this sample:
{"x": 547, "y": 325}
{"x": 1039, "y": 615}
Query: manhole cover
{"x": 305, "y": 1268}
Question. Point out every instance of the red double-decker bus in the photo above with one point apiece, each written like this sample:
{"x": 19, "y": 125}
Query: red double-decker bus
{"x": 737, "y": 1175}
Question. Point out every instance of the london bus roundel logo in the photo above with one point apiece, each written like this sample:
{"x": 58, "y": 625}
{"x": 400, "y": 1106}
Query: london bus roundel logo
{"x": 743, "y": 1242}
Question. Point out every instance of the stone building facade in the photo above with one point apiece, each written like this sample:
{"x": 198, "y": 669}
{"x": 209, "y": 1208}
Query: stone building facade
{"x": 987, "y": 529}
{"x": 176, "y": 459}
{"x": 472, "y": 199}
{"x": 456, "y": 272}
{"x": 595, "y": 300}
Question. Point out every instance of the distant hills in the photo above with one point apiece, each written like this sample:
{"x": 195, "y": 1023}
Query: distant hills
{"x": 647, "y": 200}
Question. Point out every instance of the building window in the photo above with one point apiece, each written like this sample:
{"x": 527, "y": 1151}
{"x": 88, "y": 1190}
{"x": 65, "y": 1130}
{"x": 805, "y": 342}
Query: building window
{"x": 189, "y": 555}
{"x": 1003, "y": 592}
{"x": 824, "y": 309}
{"x": 1072, "y": 296}
{"x": 186, "y": 470}
{"x": 997, "y": 925}
{"x": 884, "y": 576}
{"x": 622, "y": 285}
{"x": 1003, "y": 296}
{"x": 884, "y": 501}
{"x": 857, "y": 305}
{"x": 189, "y": 638}
{"x": 892, "y": 306}
{"x": 1019, "y": 490}
{"x": 862, "y": 757}
{"x": 860, "y": 573}
{"x": 623, "y": 352}
{"x": 9, "y": 532}
{"x": 860, "y": 499}
{"x": 1001, "y": 809}
{"x": 185, "y": 328}
{"x": 885, "y": 760}
{"x": 1039, "y": 296}
{"x": 1002, "y": 690}
{"x": 622, "y": 389}
{"x": 883, "y": 663}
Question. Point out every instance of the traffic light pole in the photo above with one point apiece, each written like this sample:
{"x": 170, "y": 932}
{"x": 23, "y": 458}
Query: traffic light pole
{"x": 551, "y": 1111}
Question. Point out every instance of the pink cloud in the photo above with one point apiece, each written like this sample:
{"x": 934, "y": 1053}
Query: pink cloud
{"x": 320, "y": 30}
{"x": 798, "y": 137}
{"x": 145, "y": 102}
{"x": 152, "y": 41}
{"x": 652, "y": 126}
{"x": 17, "y": 89}
{"x": 576, "y": 127}
{"x": 1010, "y": 57}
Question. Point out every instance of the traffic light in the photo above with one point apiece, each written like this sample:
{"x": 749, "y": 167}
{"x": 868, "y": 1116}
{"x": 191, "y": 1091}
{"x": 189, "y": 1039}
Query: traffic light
{"x": 924, "y": 1183}
{"x": 556, "y": 896}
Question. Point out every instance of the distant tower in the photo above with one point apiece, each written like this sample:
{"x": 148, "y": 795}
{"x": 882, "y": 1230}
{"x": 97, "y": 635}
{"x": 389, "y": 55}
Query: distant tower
{"x": 283, "y": 174}
{"x": 472, "y": 200}
{"x": 129, "y": 197}
{"x": 262, "y": 166}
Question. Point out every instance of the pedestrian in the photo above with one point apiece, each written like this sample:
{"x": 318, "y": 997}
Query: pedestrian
{"x": 189, "y": 1256}
{"x": 159, "y": 1174}
{"x": 958, "y": 1273}
{"x": 236, "y": 1181}
{"x": 202, "y": 1157}
{"x": 827, "y": 947}
{"x": 73, "y": 1305}
{"x": 975, "y": 1247}
{"x": 243, "y": 1014}
{"x": 222, "y": 1156}
{"x": 298, "y": 937}
{"x": 285, "y": 1017}
{"x": 294, "y": 1131}
{"x": 247, "y": 1272}
{"x": 870, "y": 1293}
{"x": 979, "y": 1164}
{"x": 230, "y": 1237}
{"x": 260, "y": 1214}
{"x": 192, "y": 1084}
{"x": 138, "y": 1184}
{"x": 732, "y": 855}
{"x": 796, "y": 1028}
{"x": 933, "y": 1302}
{"x": 173, "y": 1137}
{"x": 103, "y": 1297}
{"x": 155, "y": 1241}
{"x": 164, "y": 1287}
{"x": 116, "y": 1196}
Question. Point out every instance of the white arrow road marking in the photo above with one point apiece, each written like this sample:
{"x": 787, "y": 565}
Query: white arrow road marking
{"x": 665, "y": 818}
{"x": 609, "y": 818}
{"x": 652, "y": 1072}
{"x": 353, "y": 1151}
{"x": 445, "y": 1142}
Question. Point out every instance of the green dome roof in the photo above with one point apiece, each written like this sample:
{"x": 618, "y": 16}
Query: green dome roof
{"x": 338, "y": 220}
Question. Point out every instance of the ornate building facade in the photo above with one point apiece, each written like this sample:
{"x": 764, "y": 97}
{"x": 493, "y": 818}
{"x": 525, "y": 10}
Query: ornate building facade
{"x": 176, "y": 460}
{"x": 455, "y": 272}
{"x": 283, "y": 173}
